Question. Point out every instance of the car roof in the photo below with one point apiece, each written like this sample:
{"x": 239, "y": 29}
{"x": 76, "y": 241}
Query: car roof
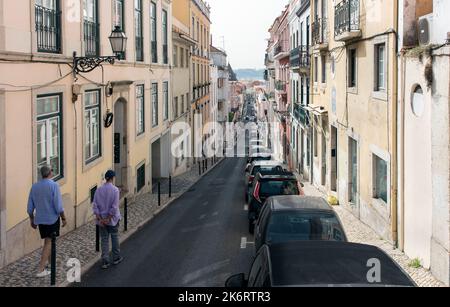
{"x": 270, "y": 176}
{"x": 289, "y": 202}
{"x": 307, "y": 263}
{"x": 266, "y": 163}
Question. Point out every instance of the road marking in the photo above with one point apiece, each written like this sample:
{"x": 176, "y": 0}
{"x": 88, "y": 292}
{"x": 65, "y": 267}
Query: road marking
{"x": 202, "y": 216}
{"x": 215, "y": 213}
{"x": 246, "y": 208}
{"x": 243, "y": 242}
{"x": 205, "y": 203}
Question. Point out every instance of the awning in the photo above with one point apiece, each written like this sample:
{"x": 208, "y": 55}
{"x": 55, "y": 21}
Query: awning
{"x": 316, "y": 110}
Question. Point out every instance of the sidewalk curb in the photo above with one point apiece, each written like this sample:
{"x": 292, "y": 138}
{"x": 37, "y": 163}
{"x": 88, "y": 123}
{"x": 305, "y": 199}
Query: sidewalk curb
{"x": 131, "y": 232}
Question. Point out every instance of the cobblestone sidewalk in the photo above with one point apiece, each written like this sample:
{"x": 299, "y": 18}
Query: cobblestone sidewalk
{"x": 361, "y": 233}
{"x": 80, "y": 243}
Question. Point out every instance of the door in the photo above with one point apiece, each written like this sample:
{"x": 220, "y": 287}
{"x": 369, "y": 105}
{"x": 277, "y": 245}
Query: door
{"x": 120, "y": 144}
{"x": 353, "y": 171}
{"x": 324, "y": 156}
{"x": 334, "y": 159}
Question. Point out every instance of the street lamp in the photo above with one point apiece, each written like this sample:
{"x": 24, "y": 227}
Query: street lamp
{"x": 118, "y": 41}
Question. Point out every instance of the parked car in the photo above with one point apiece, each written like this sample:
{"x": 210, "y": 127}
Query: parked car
{"x": 297, "y": 218}
{"x": 257, "y": 157}
{"x": 267, "y": 185}
{"x": 268, "y": 167}
{"x": 321, "y": 264}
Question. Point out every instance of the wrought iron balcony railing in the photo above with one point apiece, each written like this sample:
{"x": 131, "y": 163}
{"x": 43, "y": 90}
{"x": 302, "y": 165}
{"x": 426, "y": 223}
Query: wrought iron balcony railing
{"x": 48, "y": 29}
{"x": 280, "y": 86}
{"x": 346, "y": 17}
{"x": 91, "y": 38}
{"x": 299, "y": 57}
{"x": 319, "y": 30}
{"x": 300, "y": 114}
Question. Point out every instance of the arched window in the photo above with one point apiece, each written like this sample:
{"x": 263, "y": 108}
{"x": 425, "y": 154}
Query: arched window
{"x": 417, "y": 101}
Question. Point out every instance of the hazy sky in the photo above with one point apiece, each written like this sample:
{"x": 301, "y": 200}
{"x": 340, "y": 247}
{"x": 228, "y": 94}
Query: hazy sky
{"x": 244, "y": 24}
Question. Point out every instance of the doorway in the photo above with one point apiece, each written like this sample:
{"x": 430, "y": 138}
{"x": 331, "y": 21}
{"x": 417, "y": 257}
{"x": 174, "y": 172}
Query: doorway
{"x": 120, "y": 145}
{"x": 334, "y": 159}
{"x": 353, "y": 171}
{"x": 324, "y": 155}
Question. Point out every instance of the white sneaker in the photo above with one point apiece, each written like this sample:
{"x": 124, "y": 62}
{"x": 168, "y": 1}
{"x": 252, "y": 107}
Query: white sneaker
{"x": 44, "y": 273}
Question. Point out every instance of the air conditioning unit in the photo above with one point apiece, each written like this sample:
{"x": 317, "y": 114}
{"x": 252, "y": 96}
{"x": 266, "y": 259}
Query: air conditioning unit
{"x": 425, "y": 29}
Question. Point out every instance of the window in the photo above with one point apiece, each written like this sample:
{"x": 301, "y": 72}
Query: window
{"x": 352, "y": 70}
{"x": 316, "y": 69}
{"x": 140, "y": 110}
{"x": 324, "y": 69}
{"x": 155, "y": 104}
{"x": 166, "y": 100}
{"x": 49, "y": 133}
{"x": 140, "y": 177}
{"x": 119, "y": 16}
{"x": 187, "y": 58}
{"x": 91, "y": 28}
{"x": 182, "y": 57}
{"x": 417, "y": 101}
{"x": 380, "y": 178}
{"x": 165, "y": 37}
{"x": 154, "y": 42}
{"x": 182, "y": 104}
{"x": 138, "y": 30}
{"x": 175, "y": 103}
{"x": 48, "y": 26}
{"x": 175, "y": 56}
{"x": 380, "y": 67}
{"x": 316, "y": 139}
{"x": 92, "y": 193}
{"x": 92, "y": 125}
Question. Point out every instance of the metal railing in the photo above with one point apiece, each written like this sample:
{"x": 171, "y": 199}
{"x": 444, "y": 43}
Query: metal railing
{"x": 299, "y": 57}
{"x": 91, "y": 38}
{"x": 300, "y": 114}
{"x": 154, "y": 51}
{"x": 346, "y": 17}
{"x": 319, "y": 30}
{"x": 280, "y": 86}
{"x": 48, "y": 29}
{"x": 165, "y": 54}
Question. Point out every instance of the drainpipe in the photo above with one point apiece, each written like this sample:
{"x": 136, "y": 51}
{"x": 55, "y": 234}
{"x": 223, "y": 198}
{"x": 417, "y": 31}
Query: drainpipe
{"x": 394, "y": 175}
{"x": 402, "y": 154}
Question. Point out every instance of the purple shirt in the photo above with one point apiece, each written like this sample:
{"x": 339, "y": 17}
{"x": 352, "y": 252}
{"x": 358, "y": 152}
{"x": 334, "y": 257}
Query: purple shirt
{"x": 106, "y": 203}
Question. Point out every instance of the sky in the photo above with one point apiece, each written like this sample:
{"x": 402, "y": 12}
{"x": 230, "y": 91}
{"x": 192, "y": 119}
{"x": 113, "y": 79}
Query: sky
{"x": 244, "y": 25}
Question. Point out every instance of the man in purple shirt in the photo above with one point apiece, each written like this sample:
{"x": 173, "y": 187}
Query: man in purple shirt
{"x": 45, "y": 208}
{"x": 106, "y": 210}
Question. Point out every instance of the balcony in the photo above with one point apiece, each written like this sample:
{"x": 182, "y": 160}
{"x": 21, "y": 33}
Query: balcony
{"x": 347, "y": 21}
{"x": 48, "y": 29}
{"x": 280, "y": 86}
{"x": 91, "y": 38}
{"x": 300, "y": 60}
{"x": 301, "y": 115}
{"x": 320, "y": 33}
{"x": 280, "y": 52}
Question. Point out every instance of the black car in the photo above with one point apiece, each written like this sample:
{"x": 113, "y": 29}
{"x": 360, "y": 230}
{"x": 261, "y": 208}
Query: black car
{"x": 266, "y": 185}
{"x": 297, "y": 218}
{"x": 268, "y": 167}
{"x": 322, "y": 264}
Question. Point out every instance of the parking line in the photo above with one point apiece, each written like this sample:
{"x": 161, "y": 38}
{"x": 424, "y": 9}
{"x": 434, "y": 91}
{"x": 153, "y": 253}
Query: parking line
{"x": 215, "y": 213}
{"x": 246, "y": 208}
{"x": 243, "y": 242}
{"x": 202, "y": 216}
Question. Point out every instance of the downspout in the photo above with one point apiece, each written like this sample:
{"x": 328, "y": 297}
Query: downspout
{"x": 402, "y": 154}
{"x": 394, "y": 175}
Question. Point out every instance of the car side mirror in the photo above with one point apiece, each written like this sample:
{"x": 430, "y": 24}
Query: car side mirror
{"x": 247, "y": 168}
{"x": 236, "y": 281}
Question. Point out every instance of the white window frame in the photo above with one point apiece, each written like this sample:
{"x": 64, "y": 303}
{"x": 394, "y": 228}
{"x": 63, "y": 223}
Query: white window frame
{"x": 381, "y": 93}
{"x": 140, "y": 110}
{"x": 90, "y": 109}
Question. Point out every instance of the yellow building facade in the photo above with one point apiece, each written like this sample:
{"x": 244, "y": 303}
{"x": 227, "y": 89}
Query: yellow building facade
{"x": 48, "y": 115}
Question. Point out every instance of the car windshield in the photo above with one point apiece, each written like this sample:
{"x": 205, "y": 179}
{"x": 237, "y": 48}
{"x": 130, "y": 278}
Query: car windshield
{"x": 258, "y": 169}
{"x": 279, "y": 187}
{"x": 303, "y": 226}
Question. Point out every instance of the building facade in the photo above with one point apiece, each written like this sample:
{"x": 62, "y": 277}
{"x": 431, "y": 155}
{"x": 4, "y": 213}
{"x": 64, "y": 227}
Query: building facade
{"x": 181, "y": 89}
{"x": 423, "y": 134}
{"x": 62, "y": 114}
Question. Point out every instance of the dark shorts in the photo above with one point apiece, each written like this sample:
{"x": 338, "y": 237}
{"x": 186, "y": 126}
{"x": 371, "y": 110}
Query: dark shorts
{"x": 47, "y": 231}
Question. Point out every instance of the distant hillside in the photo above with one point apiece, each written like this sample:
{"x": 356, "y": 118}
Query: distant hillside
{"x": 250, "y": 74}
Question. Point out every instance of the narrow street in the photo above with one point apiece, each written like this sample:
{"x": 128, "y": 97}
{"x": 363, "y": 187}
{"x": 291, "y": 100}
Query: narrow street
{"x": 195, "y": 242}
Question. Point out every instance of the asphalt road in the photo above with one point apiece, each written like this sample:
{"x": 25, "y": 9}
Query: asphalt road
{"x": 196, "y": 242}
